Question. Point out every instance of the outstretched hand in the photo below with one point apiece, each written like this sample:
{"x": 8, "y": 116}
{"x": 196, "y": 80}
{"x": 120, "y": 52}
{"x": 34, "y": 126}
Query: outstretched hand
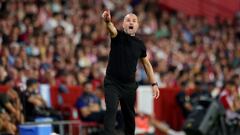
{"x": 106, "y": 16}
{"x": 156, "y": 91}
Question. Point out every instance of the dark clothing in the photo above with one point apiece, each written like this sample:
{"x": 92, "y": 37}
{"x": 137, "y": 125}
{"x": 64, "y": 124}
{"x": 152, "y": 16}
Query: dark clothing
{"x": 95, "y": 117}
{"x": 119, "y": 83}
{"x": 202, "y": 98}
{"x": 4, "y": 99}
{"x": 29, "y": 108}
{"x": 116, "y": 91}
{"x": 2, "y": 110}
{"x": 123, "y": 57}
{"x": 32, "y": 111}
{"x": 87, "y": 99}
{"x": 197, "y": 98}
{"x": 182, "y": 99}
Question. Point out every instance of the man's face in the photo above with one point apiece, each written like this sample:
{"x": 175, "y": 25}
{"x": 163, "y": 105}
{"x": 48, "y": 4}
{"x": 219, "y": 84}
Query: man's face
{"x": 88, "y": 88}
{"x": 33, "y": 87}
{"x": 130, "y": 24}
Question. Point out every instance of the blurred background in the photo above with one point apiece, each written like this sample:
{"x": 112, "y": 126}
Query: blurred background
{"x": 53, "y": 57}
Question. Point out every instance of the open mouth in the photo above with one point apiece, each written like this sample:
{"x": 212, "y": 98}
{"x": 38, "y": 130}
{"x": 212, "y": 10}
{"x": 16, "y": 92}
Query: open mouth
{"x": 131, "y": 27}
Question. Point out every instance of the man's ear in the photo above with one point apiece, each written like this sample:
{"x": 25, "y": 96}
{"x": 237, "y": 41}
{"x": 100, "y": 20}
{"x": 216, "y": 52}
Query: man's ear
{"x": 122, "y": 22}
{"x": 139, "y": 22}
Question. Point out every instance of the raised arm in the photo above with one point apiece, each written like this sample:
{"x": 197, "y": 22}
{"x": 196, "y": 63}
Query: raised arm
{"x": 110, "y": 27}
{"x": 149, "y": 71}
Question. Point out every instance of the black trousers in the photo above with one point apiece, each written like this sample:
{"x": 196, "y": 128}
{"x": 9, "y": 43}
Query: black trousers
{"x": 116, "y": 92}
{"x": 97, "y": 117}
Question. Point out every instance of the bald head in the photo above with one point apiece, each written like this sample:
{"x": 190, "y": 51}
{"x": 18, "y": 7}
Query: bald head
{"x": 130, "y": 24}
{"x": 131, "y": 15}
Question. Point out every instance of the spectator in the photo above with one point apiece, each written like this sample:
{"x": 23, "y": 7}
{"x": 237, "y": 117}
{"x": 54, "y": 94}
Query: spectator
{"x": 184, "y": 100}
{"x": 3, "y": 74}
{"x": 34, "y": 104}
{"x": 15, "y": 100}
{"x": 228, "y": 95}
{"x": 89, "y": 105}
{"x": 6, "y": 126}
{"x": 229, "y": 98}
{"x": 15, "y": 113}
{"x": 192, "y": 95}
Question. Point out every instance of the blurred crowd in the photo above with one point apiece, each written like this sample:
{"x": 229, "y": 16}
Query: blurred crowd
{"x": 66, "y": 42}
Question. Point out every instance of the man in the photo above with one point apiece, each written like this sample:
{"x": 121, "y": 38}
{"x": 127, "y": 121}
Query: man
{"x": 184, "y": 100}
{"x": 119, "y": 83}
{"x": 5, "y": 101}
{"x": 6, "y": 125}
{"x": 230, "y": 100}
{"x": 34, "y": 104}
{"x": 14, "y": 102}
{"x": 88, "y": 105}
